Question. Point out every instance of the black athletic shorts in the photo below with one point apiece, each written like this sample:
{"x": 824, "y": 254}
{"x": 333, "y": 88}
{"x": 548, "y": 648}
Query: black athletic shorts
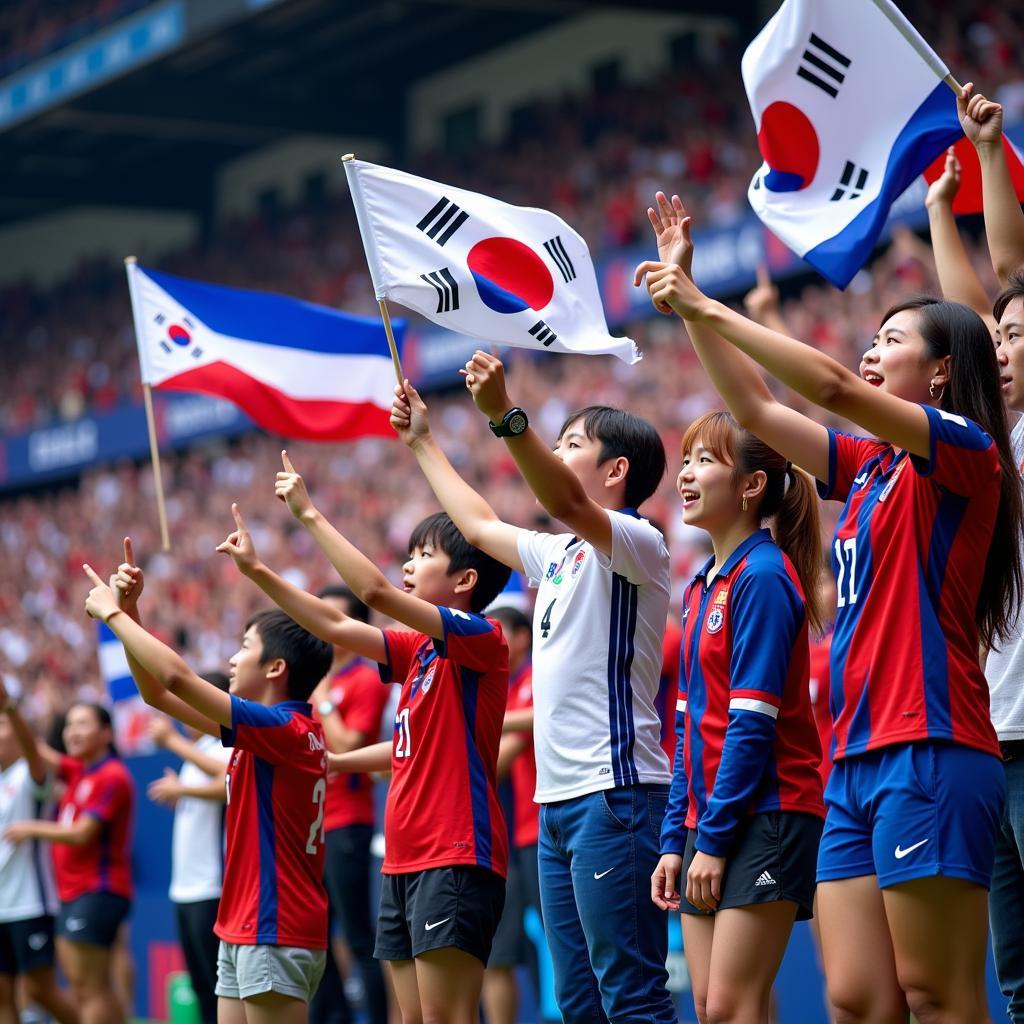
{"x": 439, "y": 908}
{"x": 94, "y": 917}
{"x": 774, "y": 857}
{"x": 26, "y": 945}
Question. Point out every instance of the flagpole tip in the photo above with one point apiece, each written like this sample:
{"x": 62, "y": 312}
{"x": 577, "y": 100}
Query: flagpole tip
{"x": 349, "y": 156}
{"x": 130, "y": 259}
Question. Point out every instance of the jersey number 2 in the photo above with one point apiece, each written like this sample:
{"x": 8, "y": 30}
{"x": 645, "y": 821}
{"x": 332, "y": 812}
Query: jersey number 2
{"x": 316, "y": 830}
{"x": 403, "y": 741}
{"x": 846, "y": 581}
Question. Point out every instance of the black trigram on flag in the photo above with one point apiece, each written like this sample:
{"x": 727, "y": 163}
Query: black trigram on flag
{"x": 847, "y": 188}
{"x": 443, "y": 220}
{"x": 543, "y": 333}
{"x": 447, "y": 289}
{"x": 823, "y": 66}
{"x": 557, "y": 252}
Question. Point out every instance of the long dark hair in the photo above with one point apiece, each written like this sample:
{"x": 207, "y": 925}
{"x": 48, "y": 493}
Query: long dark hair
{"x": 951, "y": 329}
{"x": 793, "y": 508}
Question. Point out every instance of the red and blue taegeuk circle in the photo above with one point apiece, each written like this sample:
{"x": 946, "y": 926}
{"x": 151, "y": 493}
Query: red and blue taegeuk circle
{"x": 789, "y": 145}
{"x": 178, "y": 334}
{"x": 509, "y": 275}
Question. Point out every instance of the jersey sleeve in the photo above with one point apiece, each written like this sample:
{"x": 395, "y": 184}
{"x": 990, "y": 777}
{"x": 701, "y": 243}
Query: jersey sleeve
{"x": 108, "y": 797}
{"x": 962, "y": 457}
{"x": 766, "y": 614}
{"x": 471, "y": 640}
{"x": 673, "y": 826}
{"x": 540, "y": 552}
{"x": 846, "y": 454}
{"x": 364, "y": 705}
{"x": 271, "y": 733}
{"x": 638, "y": 550}
{"x": 400, "y": 647}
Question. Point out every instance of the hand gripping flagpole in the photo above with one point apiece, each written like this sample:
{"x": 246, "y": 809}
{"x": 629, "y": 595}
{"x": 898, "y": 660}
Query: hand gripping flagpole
{"x": 382, "y": 304}
{"x": 147, "y": 397}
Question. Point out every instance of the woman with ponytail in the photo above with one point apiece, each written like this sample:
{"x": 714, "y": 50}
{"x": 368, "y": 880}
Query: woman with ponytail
{"x": 928, "y": 569}
{"x": 740, "y": 836}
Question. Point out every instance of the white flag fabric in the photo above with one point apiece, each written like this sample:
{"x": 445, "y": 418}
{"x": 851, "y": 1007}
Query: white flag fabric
{"x": 850, "y": 108}
{"x": 506, "y": 274}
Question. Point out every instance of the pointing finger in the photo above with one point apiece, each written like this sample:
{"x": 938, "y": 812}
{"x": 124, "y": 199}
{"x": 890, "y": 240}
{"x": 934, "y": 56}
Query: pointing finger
{"x": 763, "y": 279}
{"x": 91, "y": 573}
{"x": 286, "y": 462}
{"x": 129, "y": 553}
{"x": 236, "y": 512}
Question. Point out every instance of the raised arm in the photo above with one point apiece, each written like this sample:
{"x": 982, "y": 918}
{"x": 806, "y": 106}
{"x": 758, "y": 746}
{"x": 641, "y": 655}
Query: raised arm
{"x": 761, "y": 302}
{"x": 163, "y": 734}
{"x": 982, "y": 121}
{"x": 39, "y": 756}
{"x": 166, "y": 670}
{"x": 957, "y": 277}
{"x": 469, "y": 511}
{"x": 321, "y": 618}
{"x": 736, "y": 377}
{"x": 127, "y": 584}
{"x": 366, "y": 581}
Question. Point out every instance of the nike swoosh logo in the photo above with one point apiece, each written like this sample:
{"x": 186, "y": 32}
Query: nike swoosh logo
{"x": 901, "y": 853}
{"x": 427, "y": 927}
{"x": 603, "y": 873}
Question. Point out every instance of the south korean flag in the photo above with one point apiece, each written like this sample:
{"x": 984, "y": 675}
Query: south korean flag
{"x": 499, "y": 273}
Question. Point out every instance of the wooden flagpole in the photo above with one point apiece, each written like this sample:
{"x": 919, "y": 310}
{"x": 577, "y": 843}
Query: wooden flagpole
{"x": 386, "y": 317}
{"x": 154, "y": 447}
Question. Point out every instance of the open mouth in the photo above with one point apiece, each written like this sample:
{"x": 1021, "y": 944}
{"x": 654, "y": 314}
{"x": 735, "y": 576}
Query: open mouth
{"x": 689, "y": 497}
{"x": 872, "y": 378}
{"x": 407, "y": 586}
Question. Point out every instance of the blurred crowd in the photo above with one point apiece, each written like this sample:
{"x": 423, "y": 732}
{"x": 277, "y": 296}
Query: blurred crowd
{"x": 76, "y": 352}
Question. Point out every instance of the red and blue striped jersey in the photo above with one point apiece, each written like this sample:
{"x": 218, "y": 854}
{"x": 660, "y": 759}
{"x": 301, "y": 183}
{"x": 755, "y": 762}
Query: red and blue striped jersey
{"x": 747, "y": 742}
{"x": 443, "y": 807}
{"x": 274, "y": 864}
{"x": 909, "y": 558}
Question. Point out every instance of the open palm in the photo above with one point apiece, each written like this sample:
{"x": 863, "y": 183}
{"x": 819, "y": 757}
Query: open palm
{"x": 671, "y": 225}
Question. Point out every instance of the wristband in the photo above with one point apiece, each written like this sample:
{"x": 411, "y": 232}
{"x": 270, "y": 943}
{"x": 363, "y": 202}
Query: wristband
{"x": 116, "y": 611}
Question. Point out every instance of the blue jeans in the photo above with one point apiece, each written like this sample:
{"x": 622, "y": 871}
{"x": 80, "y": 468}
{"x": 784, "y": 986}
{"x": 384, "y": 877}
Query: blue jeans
{"x": 1006, "y": 896}
{"x": 608, "y": 941}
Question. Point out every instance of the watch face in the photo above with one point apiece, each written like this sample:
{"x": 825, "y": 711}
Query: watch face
{"x": 517, "y": 424}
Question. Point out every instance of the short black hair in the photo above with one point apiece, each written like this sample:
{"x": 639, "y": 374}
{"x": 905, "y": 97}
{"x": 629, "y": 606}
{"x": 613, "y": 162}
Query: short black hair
{"x": 218, "y": 679}
{"x": 1014, "y": 290}
{"x": 308, "y": 658}
{"x": 438, "y": 531}
{"x": 622, "y": 434}
{"x": 356, "y": 608}
{"x": 512, "y": 619}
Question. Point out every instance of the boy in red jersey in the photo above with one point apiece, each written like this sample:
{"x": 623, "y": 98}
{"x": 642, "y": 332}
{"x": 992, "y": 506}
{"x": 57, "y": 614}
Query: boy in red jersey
{"x": 272, "y": 921}
{"x": 446, "y": 843}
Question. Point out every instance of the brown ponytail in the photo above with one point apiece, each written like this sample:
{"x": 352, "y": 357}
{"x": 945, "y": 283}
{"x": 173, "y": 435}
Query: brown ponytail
{"x": 789, "y": 498}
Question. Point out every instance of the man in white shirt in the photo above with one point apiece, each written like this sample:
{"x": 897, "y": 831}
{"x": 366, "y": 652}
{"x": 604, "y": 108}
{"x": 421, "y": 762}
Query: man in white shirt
{"x": 602, "y": 776}
{"x": 197, "y": 795}
{"x": 28, "y": 898}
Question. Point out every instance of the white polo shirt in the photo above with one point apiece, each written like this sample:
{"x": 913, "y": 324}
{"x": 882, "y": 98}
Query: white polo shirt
{"x": 1004, "y": 668}
{"x": 597, "y": 633}
{"x": 197, "y": 842}
{"x": 26, "y": 870}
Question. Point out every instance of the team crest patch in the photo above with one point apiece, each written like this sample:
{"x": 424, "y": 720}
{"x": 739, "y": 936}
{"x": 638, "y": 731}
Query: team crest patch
{"x": 578, "y": 562}
{"x": 428, "y": 679}
{"x": 716, "y": 619}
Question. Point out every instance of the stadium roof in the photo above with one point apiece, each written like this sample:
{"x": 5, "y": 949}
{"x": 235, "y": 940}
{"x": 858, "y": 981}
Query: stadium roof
{"x": 154, "y": 136}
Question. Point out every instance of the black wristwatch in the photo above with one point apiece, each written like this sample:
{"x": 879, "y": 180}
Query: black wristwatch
{"x": 512, "y": 424}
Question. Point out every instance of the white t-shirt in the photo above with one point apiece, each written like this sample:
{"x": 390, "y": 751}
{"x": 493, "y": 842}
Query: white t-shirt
{"x": 26, "y": 871}
{"x": 197, "y": 844}
{"x": 1005, "y": 667}
{"x": 597, "y": 634}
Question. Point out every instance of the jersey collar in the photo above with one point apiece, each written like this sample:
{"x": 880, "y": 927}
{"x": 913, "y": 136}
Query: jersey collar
{"x": 741, "y": 552}
{"x": 627, "y": 511}
{"x": 303, "y": 707}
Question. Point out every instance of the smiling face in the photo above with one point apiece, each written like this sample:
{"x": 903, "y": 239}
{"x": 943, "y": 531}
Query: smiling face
{"x": 1010, "y": 354}
{"x": 899, "y": 361}
{"x": 85, "y": 736}
{"x": 712, "y": 496}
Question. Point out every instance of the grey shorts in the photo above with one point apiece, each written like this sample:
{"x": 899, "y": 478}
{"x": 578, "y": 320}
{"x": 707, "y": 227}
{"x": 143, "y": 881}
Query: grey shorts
{"x": 246, "y": 971}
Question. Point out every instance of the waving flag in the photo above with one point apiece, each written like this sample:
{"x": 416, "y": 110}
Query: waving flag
{"x": 299, "y": 370}
{"x": 850, "y": 107}
{"x": 129, "y": 712}
{"x": 507, "y": 274}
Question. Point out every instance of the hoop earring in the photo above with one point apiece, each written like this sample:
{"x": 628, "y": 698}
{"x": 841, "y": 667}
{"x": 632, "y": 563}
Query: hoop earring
{"x": 931, "y": 392}
{"x": 744, "y": 503}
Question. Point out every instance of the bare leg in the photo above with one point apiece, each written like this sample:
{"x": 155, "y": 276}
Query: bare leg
{"x": 449, "y": 983}
{"x": 500, "y": 995}
{"x": 8, "y": 1008}
{"x": 698, "y": 935}
{"x": 88, "y": 969}
{"x": 407, "y": 993}
{"x": 41, "y": 987}
{"x": 274, "y": 1008}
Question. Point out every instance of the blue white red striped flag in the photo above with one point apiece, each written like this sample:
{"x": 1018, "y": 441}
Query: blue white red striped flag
{"x": 299, "y": 370}
{"x": 129, "y": 712}
{"x": 850, "y": 107}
